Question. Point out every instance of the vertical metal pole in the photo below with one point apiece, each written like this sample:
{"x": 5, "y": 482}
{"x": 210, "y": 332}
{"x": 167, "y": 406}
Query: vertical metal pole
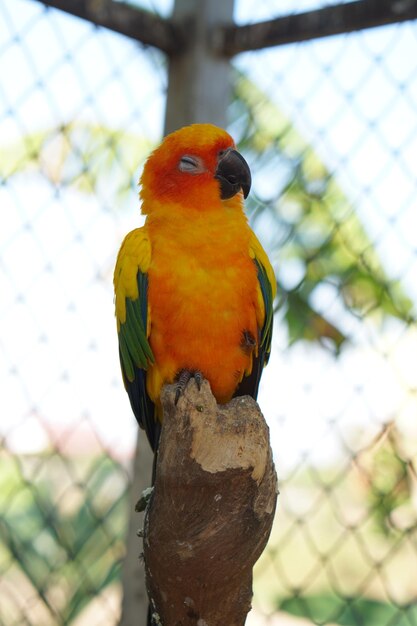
{"x": 199, "y": 90}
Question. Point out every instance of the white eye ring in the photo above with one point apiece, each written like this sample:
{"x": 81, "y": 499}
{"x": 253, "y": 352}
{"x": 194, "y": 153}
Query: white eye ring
{"x": 190, "y": 164}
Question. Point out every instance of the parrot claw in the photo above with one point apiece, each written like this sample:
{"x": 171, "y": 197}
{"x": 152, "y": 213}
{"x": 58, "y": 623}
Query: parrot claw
{"x": 198, "y": 377}
{"x": 183, "y": 378}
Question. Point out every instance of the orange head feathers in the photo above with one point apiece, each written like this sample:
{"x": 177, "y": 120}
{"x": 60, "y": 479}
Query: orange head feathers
{"x": 195, "y": 167}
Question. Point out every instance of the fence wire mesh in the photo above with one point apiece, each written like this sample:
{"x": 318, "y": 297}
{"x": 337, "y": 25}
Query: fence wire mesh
{"x": 330, "y": 130}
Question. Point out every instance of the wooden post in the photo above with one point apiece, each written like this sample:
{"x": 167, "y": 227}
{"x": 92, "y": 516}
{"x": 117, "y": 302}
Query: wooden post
{"x": 212, "y": 509}
{"x": 199, "y": 79}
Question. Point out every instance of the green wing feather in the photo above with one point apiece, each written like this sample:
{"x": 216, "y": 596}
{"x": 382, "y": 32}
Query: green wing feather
{"x": 268, "y": 298}
{"x": 132, "y": 313}
{"x": 267, "y": 287}
{"x": 134, "y": 345}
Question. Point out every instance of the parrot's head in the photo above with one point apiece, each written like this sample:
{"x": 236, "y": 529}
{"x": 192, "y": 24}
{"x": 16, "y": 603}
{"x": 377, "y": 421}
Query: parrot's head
{"x": 196, "y": 167}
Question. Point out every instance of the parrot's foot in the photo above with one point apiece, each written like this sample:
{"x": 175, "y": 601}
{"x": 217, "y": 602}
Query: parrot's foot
{"x": 145, "y": 496}
{"x": 184, "y": 377}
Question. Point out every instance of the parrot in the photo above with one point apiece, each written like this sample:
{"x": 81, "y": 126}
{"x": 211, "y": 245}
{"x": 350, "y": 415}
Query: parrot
{"x": 194, "y": 288}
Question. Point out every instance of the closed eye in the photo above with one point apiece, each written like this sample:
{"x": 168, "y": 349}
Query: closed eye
{"x": 191, "y": 164}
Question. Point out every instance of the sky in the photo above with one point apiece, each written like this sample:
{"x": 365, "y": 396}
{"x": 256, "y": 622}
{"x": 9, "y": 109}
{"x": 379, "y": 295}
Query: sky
{"x": 353, "y": 97}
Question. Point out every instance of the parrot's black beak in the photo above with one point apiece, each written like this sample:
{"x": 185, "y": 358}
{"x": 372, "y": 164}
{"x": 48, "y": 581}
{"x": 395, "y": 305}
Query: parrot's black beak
{"x": 233, "y": 174}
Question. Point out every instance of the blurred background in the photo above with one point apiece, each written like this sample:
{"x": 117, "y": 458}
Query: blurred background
{"x": 329, "y": 128}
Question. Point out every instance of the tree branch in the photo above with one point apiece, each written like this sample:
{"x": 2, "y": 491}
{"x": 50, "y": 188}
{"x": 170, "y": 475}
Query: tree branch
{"x": 332, "y": 20}
{"x": 144, "y": 26}
{"x": 212, "y": 509}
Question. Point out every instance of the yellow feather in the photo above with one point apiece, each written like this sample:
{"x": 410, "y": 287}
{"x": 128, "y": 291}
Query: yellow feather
{"x": 256, "y": 251}
{"x": 134, "y": 255}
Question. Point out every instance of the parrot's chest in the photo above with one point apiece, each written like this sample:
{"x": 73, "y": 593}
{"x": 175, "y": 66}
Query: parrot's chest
{"x": 201, "y": 286}
{"x": 202, "y": 311}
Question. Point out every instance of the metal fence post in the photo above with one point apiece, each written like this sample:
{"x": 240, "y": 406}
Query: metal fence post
{"x": 199, "y": 88}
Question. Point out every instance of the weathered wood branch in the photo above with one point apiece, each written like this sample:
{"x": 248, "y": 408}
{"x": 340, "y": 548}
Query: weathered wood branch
{"x": 144, "y": 26}
{"x": 212, "y": 509}
{"x": 331, "y": 20}
{"x": 175, "y": 37}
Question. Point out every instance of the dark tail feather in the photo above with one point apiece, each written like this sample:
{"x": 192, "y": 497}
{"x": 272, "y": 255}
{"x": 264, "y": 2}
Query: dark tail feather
{"x": 250, "y": 384}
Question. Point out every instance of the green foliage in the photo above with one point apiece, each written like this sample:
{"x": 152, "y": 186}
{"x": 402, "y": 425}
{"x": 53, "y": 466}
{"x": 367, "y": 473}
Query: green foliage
{"x": 391, "y": 480}
{"x": 355, "y": 611}
{"x": 315, "y": 229}
{"x": 390, "y": 487}
{"x": 88, "y": 156}
{"x": 57, "y": 538}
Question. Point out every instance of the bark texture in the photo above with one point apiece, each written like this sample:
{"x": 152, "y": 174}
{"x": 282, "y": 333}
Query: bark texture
{"x": 212, "y": 509}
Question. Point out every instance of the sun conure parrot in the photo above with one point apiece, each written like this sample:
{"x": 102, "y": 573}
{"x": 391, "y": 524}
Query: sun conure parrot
{"x": 193, "y": 287}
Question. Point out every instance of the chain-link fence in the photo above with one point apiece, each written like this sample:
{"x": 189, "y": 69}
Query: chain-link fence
{"x": 329, "y": 128}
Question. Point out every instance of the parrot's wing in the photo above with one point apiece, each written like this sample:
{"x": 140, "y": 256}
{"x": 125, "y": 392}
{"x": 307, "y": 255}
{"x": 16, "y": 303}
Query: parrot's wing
{"x": 133, "y": 323}
{"x": 266, "y": 295}
{"x": 267, "y": 288}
